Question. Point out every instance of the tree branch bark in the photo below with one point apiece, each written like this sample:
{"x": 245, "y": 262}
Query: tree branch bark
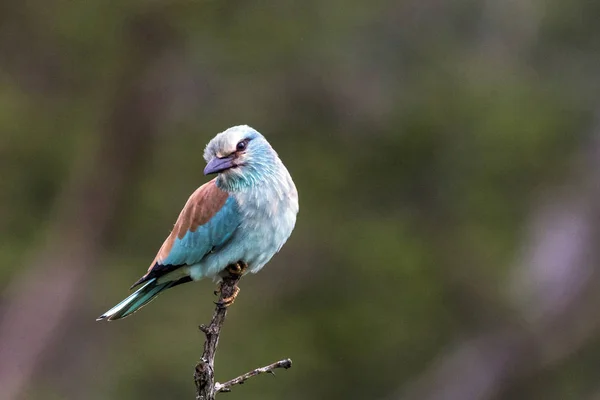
{"x": 226, "y": 387}
{"x": 204, "y": 374}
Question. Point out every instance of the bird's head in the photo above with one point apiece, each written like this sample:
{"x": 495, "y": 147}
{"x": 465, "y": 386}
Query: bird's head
{"x": 241, "y": 156}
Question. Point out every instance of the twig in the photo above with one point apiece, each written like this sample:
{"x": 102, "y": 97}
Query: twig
{"x": 226, "y": 387}
{"x": 204, "y": 374}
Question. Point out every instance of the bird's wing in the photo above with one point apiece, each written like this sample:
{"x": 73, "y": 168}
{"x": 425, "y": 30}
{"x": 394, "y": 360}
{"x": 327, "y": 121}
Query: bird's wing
{"x": 206, "y": 222}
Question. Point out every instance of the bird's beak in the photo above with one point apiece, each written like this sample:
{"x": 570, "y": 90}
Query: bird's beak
{"x": 218, "y": 164}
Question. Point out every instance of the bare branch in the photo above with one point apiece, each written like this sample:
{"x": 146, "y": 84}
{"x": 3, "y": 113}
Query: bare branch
{"x": 204, "y": 374}
{"x": 226, "y": 387}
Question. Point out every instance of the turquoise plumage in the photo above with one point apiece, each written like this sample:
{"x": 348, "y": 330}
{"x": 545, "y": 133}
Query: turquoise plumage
{"x": 245, "y": 214}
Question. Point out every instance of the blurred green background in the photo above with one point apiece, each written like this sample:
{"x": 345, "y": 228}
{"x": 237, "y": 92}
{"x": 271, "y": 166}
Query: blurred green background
{"x": 448, "y": 164}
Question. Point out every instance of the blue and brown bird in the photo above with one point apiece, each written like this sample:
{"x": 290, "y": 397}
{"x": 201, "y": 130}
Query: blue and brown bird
{"x": 242, "y": 217}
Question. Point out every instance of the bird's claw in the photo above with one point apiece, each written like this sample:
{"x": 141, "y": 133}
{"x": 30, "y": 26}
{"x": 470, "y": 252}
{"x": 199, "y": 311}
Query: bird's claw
{"x": 227, "y": 301}
{"x": 237, "y": 269}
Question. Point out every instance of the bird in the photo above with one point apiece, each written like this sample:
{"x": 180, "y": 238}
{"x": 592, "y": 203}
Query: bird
{"x": 240, "y": 218}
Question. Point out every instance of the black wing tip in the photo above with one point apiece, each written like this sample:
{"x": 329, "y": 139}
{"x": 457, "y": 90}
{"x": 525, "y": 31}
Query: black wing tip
{"x": 143, "y": 279}
{"x": 157, "y": 271}
{"x": 138, "y": 282}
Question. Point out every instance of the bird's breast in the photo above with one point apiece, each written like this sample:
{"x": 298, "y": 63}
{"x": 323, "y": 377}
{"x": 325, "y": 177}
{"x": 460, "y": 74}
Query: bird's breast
{"x": 269, "y": 216}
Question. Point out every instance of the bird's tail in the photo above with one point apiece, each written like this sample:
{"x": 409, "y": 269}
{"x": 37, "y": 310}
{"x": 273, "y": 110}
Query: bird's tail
{"x": 136, "y": 300}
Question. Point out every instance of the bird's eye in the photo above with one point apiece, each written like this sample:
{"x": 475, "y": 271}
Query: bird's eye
{"x": 242, "y": 145}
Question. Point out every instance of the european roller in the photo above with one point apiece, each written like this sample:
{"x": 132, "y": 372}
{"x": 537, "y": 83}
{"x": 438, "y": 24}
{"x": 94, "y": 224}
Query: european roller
{"x": 242, "y": 217}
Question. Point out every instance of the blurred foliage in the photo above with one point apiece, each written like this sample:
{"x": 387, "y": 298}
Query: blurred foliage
{"x": 417, "y": 145}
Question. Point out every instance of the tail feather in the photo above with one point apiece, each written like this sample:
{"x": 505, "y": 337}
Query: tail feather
{"x": 136, "y": 300}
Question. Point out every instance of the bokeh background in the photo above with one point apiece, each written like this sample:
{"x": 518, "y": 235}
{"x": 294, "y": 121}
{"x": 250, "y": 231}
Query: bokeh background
{"x": 447, "y": 155}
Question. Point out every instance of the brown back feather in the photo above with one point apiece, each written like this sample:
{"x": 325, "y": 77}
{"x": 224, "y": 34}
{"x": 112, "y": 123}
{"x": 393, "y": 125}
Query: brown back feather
{"x": 202, "y": 205}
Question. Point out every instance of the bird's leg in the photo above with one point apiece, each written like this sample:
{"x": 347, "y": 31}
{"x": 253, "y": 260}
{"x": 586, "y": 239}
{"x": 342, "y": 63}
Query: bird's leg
{"x": 234, "y": 273}
{"x": 237, "y": 269}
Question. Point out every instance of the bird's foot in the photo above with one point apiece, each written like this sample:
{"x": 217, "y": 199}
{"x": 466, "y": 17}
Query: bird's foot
{"x": 227, "y": 301}
{"x": 237, "y": 269}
